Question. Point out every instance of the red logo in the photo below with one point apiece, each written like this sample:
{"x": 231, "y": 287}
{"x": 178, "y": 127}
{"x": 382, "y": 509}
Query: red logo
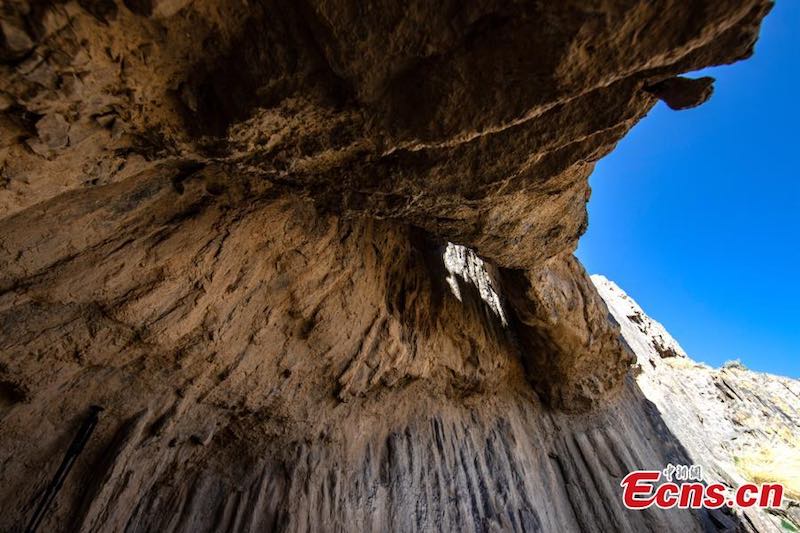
{"x": 641, "y": 489}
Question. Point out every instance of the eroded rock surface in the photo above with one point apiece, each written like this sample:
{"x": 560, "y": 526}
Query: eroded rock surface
{"x": 740, "y": 426}
{"x": 225, "y": 222}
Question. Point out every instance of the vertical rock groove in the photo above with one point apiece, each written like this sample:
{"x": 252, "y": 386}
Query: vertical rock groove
{"x": 225, "y": 223}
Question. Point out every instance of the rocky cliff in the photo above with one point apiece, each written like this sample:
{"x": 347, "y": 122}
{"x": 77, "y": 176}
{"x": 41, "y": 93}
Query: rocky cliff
{"x": 740, "y": 426}
{"x": 227, "y": 224}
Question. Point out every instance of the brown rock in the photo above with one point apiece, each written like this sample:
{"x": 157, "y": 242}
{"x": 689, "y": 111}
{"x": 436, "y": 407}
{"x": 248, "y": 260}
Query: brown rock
{"x": 571, "y": 351}
{"x": 275, "y": 192}
{"x": 14, "y": 40}
{"x": 683, "y": 93}
{"x": 156, "y": 8}
{"x": 53, "y": 131}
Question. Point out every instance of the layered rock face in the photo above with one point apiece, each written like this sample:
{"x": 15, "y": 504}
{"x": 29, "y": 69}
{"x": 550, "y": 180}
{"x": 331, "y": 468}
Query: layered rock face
{"x": 227, "y": 224}
{"x": 740, "y": 426}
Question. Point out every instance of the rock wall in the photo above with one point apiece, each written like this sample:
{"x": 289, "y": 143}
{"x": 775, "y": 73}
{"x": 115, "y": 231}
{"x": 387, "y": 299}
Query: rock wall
{"x": 740, "y": 426}
{"x": 226, "y": 224}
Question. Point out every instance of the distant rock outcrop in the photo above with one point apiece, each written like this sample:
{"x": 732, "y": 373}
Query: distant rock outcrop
{"x": 739, "y": 425}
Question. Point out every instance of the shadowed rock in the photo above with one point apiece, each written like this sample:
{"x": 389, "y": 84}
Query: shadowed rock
{"x": 225, "y": 222}
{"x": 683, "y": 93}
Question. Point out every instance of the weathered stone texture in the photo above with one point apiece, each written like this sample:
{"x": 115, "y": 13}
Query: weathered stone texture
{"x": 224, "y": 222}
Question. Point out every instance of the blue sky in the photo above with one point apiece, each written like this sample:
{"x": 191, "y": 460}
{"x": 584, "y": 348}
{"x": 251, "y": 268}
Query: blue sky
{"x": 695, "y": 214}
